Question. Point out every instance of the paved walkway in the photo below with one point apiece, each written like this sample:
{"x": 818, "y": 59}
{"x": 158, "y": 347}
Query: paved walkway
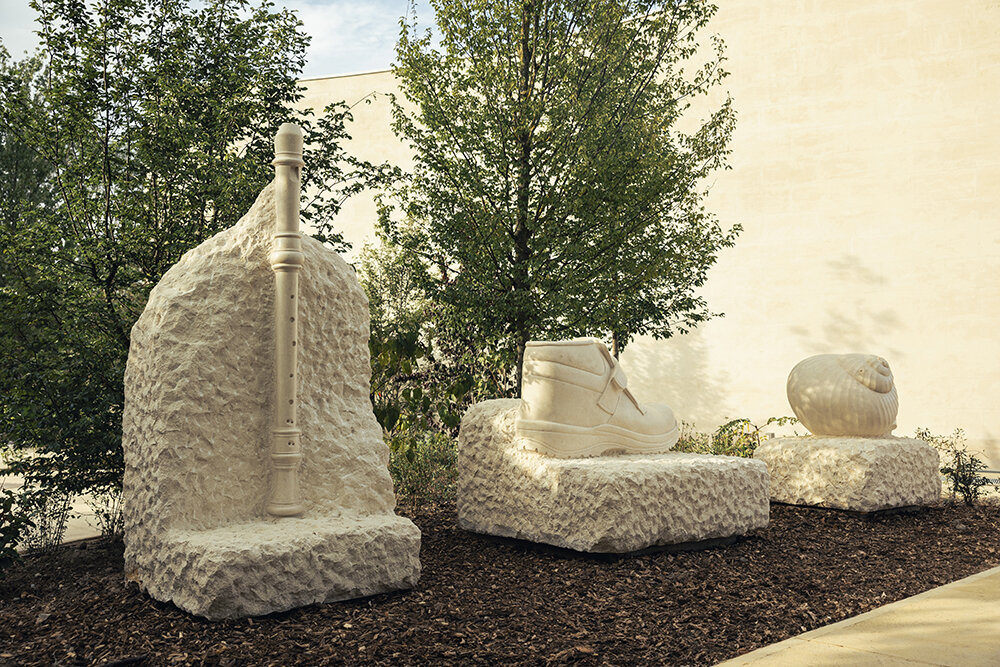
{"x": 957, "y": 624}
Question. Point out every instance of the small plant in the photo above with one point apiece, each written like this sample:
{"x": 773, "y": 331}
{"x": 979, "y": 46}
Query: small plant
{"x": 422, "y": 466}
{"x": 961, "y": 468}
{"x": 737, "y": 437}
{"x": 14, "y": 525}
{"x": 49, "y": 511}
{"x": 692, "y": 441}
{"x": 107, "y": 506}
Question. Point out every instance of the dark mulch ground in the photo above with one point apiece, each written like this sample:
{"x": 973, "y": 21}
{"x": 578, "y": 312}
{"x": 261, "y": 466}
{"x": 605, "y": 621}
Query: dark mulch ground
{"x": 480, "y": 601}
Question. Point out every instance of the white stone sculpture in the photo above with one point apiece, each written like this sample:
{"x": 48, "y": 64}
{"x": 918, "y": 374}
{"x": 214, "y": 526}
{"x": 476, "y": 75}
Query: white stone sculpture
{"x": 849, "y": 403}
{"x": 575, "y": 402}
{"x": 844, "y": 394}
{"x": 858, "y": 474}
{"x": 611, "y": 504}
{"x": 286, "y": 262}
{"x": 198, "y": 424}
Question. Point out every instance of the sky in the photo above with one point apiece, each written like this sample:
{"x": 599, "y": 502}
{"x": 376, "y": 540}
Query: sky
{"x": 348, "y": 36}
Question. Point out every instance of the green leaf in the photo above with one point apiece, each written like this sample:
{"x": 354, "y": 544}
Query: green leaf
{"x": 553, "y": 193}
{"x": 139, "y": 129}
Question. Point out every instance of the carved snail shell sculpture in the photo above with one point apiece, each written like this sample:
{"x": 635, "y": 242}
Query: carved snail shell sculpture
{"x": 844, "y": 395}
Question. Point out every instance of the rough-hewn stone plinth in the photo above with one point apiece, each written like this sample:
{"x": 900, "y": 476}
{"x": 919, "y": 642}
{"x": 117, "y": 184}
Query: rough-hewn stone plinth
{"x": 276, "y": 564}
{"x": 859, "y": 474}
{"x": 199, "y": 405}
{"x": 610, "y": 504}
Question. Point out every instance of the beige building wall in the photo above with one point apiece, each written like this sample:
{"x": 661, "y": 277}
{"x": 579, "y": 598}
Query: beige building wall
{"x": 372, "y": 139}
{"x": 866, "y": 174}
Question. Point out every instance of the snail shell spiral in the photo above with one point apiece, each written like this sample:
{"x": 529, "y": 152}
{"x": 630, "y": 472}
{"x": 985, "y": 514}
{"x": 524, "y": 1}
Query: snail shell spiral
{"x": 844, "y": 394}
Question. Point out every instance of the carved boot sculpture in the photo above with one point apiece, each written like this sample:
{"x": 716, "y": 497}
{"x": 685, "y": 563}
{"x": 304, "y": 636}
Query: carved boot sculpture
{"x": 530, "y": 468}
{"x": 575, "y": 402}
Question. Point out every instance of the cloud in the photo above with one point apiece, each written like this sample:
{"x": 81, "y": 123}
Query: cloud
{"x": 350, "y": 35}
{"x": 17, "y": 27}
{"x": 347, "y": 35}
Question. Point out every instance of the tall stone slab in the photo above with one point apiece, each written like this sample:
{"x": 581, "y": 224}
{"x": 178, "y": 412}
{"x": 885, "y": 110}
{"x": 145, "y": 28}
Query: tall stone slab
{"x": 197, "y": 428}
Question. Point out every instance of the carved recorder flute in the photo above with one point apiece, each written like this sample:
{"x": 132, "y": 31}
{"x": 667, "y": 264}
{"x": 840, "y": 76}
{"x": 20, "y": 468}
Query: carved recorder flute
{"x": 286, "y": 261}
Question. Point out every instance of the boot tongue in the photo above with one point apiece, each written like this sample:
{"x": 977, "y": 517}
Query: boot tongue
{"x": 616, "y": 386}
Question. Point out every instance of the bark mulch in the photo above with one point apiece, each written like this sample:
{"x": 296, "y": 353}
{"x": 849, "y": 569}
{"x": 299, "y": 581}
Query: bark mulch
{"x": 484, "y": 601}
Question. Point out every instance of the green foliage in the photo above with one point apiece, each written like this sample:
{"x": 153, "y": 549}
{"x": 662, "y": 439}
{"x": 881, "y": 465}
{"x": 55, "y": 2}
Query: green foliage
{"x": 331, "y": 174}
{"x": 692, "y": 441}
{"x": 422, "y": 466}
{"x": 961, "y": 468}
{"x": 737, "y": 437}
{"x": 553, "y": 194}
{"x": 15, "y": 524}
{"x": 408, "y": 395}
{"x": 49, "y": 509}
{"x": 139, "y": 129}
{"x": 108, "y": 510}
{"x": 413, "y": 391}
{"x": 423, "y": 379}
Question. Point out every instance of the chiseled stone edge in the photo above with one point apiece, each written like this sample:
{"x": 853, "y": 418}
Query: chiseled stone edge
{"x": 574, "y": 503}
{"x": 852, "y": 473}
{"x": 199, "y": 393}
{"x": 218, "y": 573}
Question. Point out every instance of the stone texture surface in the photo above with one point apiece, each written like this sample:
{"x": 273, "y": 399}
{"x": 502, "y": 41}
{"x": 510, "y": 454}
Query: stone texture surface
{"x": 844, "y": 395}
{"x": 575, "y": 402}
{"x": 860, "y": 474}
{"x": 604, "y": 504}
{"x": 199, "y": 390}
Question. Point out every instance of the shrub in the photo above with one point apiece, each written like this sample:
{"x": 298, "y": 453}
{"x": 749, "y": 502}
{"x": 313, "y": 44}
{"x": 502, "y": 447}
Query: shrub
{"x": 961, "y": 468}
{"x": 425, "y": 371}
{"x": 49, "y": 510}
{"x": 737, "y": 437}
{"x": 422, "y": 466}
{"x": 14, "y": 525}
{"x": 692, "y": 441}
{"x": 107, "y": 507}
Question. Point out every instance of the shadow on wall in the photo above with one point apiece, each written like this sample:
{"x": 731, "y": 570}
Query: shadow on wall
{"x": 989, "y": 447}
{"x": 676, "y": 371}
{"x": 854, "y": 326}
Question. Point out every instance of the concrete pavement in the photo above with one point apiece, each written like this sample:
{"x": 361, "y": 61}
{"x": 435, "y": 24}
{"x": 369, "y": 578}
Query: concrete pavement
{"x": 957, "y": 624}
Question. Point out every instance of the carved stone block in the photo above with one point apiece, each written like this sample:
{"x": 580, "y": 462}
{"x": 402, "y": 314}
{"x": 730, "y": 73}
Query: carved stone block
{"x": 859, "y": 474}
{"x": 199, "y": 394}
{"x": 613, "y": 504}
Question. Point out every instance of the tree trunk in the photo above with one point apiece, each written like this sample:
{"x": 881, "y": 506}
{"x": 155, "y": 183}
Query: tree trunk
{"x": 522, "y": 249}
{"x": 520, "y": 363}
{"x": 614, "y": 344}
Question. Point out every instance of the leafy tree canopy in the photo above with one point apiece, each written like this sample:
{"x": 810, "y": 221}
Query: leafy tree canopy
{"x": 139, "y": 129}
{"x": 553, "y": 194}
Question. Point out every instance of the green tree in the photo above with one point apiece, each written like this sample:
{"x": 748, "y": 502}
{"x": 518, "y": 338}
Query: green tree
{"x": 419, "y": 383}
{"x": 149, "y": 124}
{"x": 552, "y": 192}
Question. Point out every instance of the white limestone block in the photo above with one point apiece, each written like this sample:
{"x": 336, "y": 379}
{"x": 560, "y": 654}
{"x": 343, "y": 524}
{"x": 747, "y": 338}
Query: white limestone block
{"x": 199, "y": 392}
{"x": 613, "y": 504}
{"x": 859, "y": 474}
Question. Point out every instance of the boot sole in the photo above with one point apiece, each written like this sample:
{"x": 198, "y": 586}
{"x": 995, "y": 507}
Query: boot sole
{"x": 565, "y": 441}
